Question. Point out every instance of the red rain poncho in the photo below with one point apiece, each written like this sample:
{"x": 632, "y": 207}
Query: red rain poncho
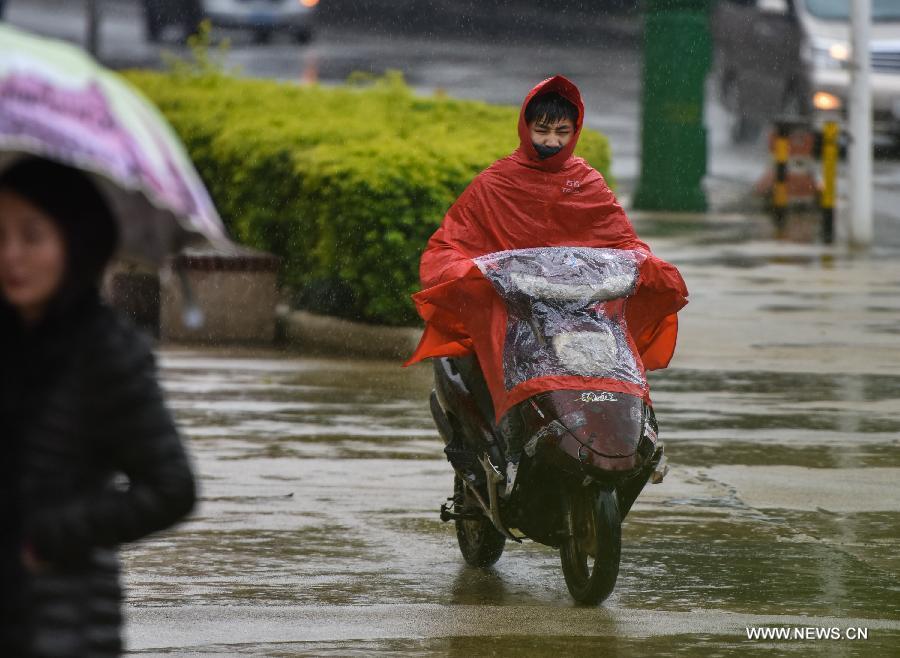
{"x": 519, "y": 202}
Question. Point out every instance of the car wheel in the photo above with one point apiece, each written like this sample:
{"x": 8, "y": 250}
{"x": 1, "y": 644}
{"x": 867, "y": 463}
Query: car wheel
{"x": 303, "y": 35}
{"x": 262, "y": 36}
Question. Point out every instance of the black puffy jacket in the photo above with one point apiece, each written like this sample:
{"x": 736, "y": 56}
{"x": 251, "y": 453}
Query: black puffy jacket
{"x": 94, "y": 460}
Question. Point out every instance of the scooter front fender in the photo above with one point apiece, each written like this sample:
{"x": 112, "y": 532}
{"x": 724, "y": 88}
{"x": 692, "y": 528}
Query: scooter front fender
{"x": 603, "y": 429}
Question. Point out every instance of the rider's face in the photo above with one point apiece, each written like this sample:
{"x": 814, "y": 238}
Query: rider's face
{"x": 552, "y": 134}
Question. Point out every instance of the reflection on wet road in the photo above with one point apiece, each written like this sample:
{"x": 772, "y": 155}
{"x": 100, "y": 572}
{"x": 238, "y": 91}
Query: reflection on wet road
{"x": 318, "y": 531}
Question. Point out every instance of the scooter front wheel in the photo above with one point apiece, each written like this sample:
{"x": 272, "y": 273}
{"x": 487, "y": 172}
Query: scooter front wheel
{"x": 479, "y": 541}
{"x": 591, "y": 551}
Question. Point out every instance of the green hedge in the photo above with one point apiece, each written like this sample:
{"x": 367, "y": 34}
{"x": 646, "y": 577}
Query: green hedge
{"x": 346, "y": 183}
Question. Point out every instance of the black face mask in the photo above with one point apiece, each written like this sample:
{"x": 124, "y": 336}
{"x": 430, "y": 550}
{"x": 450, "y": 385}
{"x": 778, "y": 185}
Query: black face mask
{"x": 545, "y": 152}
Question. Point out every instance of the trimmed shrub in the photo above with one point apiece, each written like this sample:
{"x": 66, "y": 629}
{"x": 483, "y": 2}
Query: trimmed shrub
{"x": 345, "y": 184}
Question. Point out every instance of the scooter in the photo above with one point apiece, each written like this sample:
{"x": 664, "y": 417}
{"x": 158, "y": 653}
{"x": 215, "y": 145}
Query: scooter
{"x": 563, "y": 467}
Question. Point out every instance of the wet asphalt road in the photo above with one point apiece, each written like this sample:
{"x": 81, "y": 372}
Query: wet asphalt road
{"x": 318, "y": 531}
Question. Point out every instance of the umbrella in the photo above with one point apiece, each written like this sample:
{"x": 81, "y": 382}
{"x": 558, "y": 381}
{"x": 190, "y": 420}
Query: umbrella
{"x": 56, "y": 102}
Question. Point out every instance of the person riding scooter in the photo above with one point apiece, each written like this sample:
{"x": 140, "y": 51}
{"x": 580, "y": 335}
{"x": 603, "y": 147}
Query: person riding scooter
{"x": 543, "y": 311}
{"x": 539, "y": 196}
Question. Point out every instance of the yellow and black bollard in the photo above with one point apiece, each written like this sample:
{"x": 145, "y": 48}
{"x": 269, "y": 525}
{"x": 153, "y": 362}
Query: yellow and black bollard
{"x": 829, "y": 179}
{"x": 781, "y": 151}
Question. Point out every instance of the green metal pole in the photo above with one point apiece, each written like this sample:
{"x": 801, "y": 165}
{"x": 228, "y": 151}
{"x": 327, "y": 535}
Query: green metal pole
{"x": 677, "y": 57}
{"x": 93, "y": 27}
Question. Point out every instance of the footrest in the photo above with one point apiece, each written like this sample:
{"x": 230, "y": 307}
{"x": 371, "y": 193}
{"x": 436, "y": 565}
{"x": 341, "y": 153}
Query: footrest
{"x": 448, "y": 514}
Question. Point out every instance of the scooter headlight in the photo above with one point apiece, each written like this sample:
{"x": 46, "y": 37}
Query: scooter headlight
{"x": 587, "y": 353}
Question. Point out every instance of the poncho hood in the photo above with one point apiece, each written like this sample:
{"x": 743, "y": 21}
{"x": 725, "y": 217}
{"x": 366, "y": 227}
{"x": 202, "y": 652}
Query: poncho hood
{"x": 526, "y": 152}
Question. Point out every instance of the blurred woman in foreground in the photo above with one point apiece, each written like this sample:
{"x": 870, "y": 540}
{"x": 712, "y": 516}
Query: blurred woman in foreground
{"x": 91, "y": 457}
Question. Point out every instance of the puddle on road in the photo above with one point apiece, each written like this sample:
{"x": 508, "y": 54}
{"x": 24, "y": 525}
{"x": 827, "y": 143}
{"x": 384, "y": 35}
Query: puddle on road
{"x": 792, "y": 387}
{"x": 889, "y": 328}
{"x": 752, "y": 563}
{"x": 750, "y": 261}
{"x": 321, "y": 482}
{"x": 527, "y": 646}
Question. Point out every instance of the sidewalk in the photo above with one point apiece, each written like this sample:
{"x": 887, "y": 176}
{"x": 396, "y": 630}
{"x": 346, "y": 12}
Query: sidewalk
{"x": 785, "y": 307}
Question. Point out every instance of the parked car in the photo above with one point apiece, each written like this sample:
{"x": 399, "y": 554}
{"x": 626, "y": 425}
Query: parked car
{"x": 263, "y": 17}
{"x": 791, "y": 57}
{"x": 159, "y": 14}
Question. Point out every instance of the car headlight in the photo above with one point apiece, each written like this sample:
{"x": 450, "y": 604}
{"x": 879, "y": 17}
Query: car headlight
{"x": 826, "y": 102}
{"x": 825, "y": 54}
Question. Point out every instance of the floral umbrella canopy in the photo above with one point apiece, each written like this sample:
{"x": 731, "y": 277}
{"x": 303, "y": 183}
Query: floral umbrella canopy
{"x": 56, "y": 102}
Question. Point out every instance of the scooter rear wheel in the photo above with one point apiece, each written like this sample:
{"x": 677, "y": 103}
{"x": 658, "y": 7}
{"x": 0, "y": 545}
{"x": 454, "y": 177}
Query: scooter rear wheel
{"x": 480, "y": 543}
{"x": 591, "y": 551}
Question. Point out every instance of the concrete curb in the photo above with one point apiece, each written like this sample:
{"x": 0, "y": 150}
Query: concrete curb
{"x": 702, "y": 227}
{"x": 325, "y": 334}
{"x": 701, "y": 218}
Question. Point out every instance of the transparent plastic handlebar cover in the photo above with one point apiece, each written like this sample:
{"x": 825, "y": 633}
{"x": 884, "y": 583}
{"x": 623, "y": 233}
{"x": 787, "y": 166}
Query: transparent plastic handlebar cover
{"x": 566, "y": 312}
